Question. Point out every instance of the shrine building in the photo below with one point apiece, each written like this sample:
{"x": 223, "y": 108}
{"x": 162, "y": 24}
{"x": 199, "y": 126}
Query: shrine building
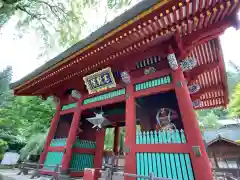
{"x": 146, "y": 71}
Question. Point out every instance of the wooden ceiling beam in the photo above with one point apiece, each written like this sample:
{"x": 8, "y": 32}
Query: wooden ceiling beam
{"x": 202, "y": 91}
{"x": 194, "y": 73}
{"x": 209, "y": 107}
{"x": 206, "y": 34}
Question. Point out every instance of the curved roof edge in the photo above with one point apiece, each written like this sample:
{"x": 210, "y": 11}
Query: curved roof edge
{"x": 119, "y": 20}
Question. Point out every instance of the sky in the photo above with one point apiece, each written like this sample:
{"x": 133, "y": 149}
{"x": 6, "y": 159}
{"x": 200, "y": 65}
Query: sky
{"x": 22, "y": 53}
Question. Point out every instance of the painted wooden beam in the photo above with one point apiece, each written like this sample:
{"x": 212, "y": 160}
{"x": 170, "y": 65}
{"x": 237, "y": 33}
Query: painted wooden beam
{"x": 103, "y": 103}
{"x": 155, "y": 90}
{"x": 56, "y": 149}
{"x": 74, "y": 150}
{"x": 68, "y": 111}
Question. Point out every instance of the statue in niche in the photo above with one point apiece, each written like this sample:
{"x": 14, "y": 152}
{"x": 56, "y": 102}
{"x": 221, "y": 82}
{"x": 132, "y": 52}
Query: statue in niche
{"x": 164, "y": 119}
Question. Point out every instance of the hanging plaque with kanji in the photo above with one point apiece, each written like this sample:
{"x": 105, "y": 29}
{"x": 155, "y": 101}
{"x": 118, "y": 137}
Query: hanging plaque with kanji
{"x": 100, "y": 81}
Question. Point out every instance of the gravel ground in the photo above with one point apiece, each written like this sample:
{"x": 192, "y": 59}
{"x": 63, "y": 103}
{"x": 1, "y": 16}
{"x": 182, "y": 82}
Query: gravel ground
{"x": 11, "y": 174}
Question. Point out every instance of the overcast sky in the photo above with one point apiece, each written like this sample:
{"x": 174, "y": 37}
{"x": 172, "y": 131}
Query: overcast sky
{"x": 22, "y": 54}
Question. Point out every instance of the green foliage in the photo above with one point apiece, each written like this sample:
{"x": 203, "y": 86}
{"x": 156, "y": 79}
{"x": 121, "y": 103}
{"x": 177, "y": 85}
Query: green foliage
{"x": 233, "y": 79}
{"x": 26, "y": 116}
{"x": 3, "y": 146}
{"x": 34, "y": 145}
{"x": 109, "y": 139}
{"x": 21, "y": 117}
{"x": 206, "y": 117}
{"x": 5, "y": 78}
{"x": 117, "y": 4}
{"x": 234, "y": 107}
{"x": 76, "y": 26}
{"x": 210, "y": 121}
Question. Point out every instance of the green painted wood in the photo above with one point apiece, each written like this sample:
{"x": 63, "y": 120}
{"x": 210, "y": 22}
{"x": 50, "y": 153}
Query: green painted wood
{"x": 150, "y": 169}
{"x": 189, "y": 167}
{"x": 183, "y": 138}
{"x": 52, "y": 159}
{"x": 58, "y": 142}
{"x": 168, "y": 165}
{"x": 139, "y": 163}
{"x": 105, "y": 96}
{"x": 160, "y": 137}
{"x": 163, "y": 164}
{"x": 178, "y": 138}
{"x": 173, "y": 137}
{"x": 168, "y": 137}
{"x": 152, "y": 140}
{"x": 153, "y": 83}
{"x": 146, "y": 170}
{"x": 159, "y": 165}
{"x": 142, "y": 164}
{"x": 84, "y": 144}
{"x": 140, "y": 137}
{"x": 144, "y": 138}
{"x": 164, "y": 137}
{"x": 81, "y": 161}
{"x": 183, "y": 167}
{"x": 176, "y": 155}
{"x": 69, "y": 106}
{"x": 173, "y": 166}
{"x": 155, "y": 137}
{"x": 178, "y": 166}
{"x": 150, "y": 166}
{"x": 154, "y": 164}
{"x": 148, "y": 138}
{"x": 137, "y": 137}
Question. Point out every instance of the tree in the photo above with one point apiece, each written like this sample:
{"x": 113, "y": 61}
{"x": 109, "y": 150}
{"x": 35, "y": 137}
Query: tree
{"x": 34, "y": 145}
{"x": 234, "y": 106}
{"x": 59, "y": 23}
{"x": 5, "y": 78}
{"x": 73, "y": 30}
{"x": 210, "y": 121}
{"x": 26, "y": 116}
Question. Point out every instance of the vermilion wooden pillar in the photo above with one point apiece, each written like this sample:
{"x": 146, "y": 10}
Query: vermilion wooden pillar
{"x": 71, "y": 137}
{"x": 98, "y": 158}
{"x": 201, "y": 165}
{"x": 130, "y": 138}
{"x": 116, "y": 139}
{"x": 51, "y": 133}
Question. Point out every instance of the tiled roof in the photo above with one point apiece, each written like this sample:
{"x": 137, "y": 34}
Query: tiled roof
{"x": 232, "y": 134}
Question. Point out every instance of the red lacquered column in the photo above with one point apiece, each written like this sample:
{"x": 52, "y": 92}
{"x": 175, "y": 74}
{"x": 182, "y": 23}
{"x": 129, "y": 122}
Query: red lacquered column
{"x": 130, "y": 139}
{"x": 98, "y": 158}
{"x": 51, "y": 133}
{"x": 71, "y": 137}
{"x": 201, "y": 164}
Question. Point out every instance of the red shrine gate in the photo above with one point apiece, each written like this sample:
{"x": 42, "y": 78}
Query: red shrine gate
{"x": 152, "y": 67}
